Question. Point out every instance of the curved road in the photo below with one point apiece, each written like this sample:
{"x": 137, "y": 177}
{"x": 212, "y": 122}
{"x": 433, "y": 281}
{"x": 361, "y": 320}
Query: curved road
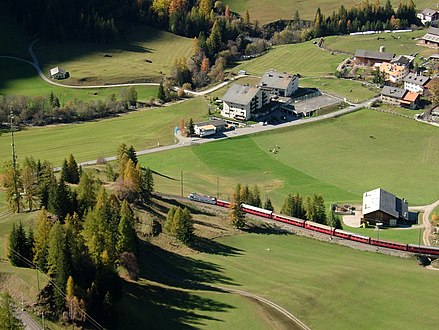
{"x": 37, "y": 67}
{"x": 427, "y": 209}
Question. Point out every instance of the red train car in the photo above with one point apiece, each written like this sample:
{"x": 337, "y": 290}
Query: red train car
{"x": 423, "y": 249}
{"x": 389, "y": 245}
{"x": 319, "y": 227}
{"x": 289, "y": 220}
{"x": 257, "y": 211}
{"x": 222, "y": 203}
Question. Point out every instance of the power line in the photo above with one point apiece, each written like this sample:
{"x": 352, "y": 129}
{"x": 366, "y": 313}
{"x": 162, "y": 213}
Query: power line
{"x": 33, "y": 265}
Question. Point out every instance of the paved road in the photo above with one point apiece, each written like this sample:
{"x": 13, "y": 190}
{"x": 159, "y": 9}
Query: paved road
{"x": 256, "y": 128}
{"x": 427, "y": 209}
{"x": 28, "y": 322}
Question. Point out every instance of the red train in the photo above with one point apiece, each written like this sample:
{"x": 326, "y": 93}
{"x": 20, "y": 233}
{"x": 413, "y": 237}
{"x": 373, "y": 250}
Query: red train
{"x": 421, "y": 249}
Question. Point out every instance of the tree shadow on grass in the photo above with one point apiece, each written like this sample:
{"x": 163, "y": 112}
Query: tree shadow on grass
{"x": 205, "y": 245}
{"x": 176, "y": 203}
{"x": 170, "y": 268}
{"x": 155, "y": 307}
{"x": 266, "y": 229}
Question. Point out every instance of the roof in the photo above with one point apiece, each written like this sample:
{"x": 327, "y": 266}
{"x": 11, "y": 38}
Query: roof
{"x": 416, "y": 79}
{"x": 428, "y": 12}
{"x": 432, "y": 35}
{"x": 392, "y": 69}
{"x": 411, "y": 96}
{"x": 56, "y": 70}
{"x": 394, "y": 92}
{"x": 275, "y": 79}
{"x": 207, "y": 127}
{"x": 215, "y": 123}
{"x": 240, "y": 94}
{"x": 383, "y": 56}
{"x": 402, "y": 60}
{"x": 380, "y": 200}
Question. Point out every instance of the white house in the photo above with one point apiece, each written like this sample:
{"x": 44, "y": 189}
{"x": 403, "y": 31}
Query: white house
{"x": 240, "y": 102}
{"x": 279, "y": 83}
{"x": 380, "y": 206}
{"x": 58, "y": 73}
{"x": 415, "y": 83}
{"x": 428, "y": 15}
{"x": 207, "y": 128}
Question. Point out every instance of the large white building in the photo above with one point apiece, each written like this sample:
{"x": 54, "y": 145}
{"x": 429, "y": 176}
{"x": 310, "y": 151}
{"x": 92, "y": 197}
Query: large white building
{"x": 415, "y": 82}
{"x": 279, "y": 83}
{"x": 240, "y": 102}
{"x": 380, "y": 206}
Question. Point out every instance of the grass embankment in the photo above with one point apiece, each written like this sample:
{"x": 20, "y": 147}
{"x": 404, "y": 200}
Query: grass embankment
{"x": 143, "y": 129}
{"x": 21, "y": 79}
{"x": 339, "y": 158}
{"x": 407, "y": 236}
{"x": 143, "y": 54}
{"x": 398, "y": 43}
{"x": 329, "y": 286}
{"x": 266, "y": 11}
{"x": 13, "y": 40}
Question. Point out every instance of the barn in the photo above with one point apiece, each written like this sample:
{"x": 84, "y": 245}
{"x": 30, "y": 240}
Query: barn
{"x": 380, "y": 206}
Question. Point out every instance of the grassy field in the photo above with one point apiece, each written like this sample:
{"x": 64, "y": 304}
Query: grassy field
{"x": 143, "y": 129}
{"x": 21, "y": 79}
{"x": 398, "y": 43}
{"x": 305, "y": 58}
{"x": 329, "y": 286}
{"x": 88, "y": 65}
{"x": 267, "y": 11}
{"x": 352, "y": 90}
{"x": 337, "y": 158}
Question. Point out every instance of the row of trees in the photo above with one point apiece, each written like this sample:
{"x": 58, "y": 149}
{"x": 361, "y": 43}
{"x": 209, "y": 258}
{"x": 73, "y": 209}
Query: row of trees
{"x": 313, "y": 209}
{"x": 365, "y": 16}
{"x": 49, "y": 110}
{"x": 8, "y": 320}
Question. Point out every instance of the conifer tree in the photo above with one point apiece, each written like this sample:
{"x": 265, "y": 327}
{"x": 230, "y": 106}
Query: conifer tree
{"x": 87, "y": 190}
{"x": 72, "y": 170}
{"x": 287, "y": 206}
{"x": 41, "y": 237}
{"x": 8, "y": 320}
{"x": 127, "y": 239}
{"x": 161, "y": 95}
{"x": 18, "y": 246}
{"x": 237, "y": 215}
{"x": 268, "y": 206}
{"x": 65, "y": 173}
{"x": 185, "y": 229}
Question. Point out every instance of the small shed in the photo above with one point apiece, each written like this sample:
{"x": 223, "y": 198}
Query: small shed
{"x": 205, "y": 130}
{"x": 58, "y": 73}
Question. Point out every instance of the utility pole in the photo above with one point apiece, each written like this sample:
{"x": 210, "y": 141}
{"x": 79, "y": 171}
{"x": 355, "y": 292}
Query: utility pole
{"x": 14, "y": 165}
{"x": 265, "y": 196}
{"x": 181, "y": 182}
{"x": 217, "y": 187}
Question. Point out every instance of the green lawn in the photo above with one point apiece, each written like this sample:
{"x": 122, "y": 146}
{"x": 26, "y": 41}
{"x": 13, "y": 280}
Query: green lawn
{"x": 329, "y": 286}
{"x": 398, "y": 43}
{"x": 143, "y": 129}
{"x": 339, "y": 158}
{"x": 304, "y": 58}
{"x": 87, "y": 64}
{"x": 267, "y": 10}
{"x": 352, "y": 90}
{"x": 21, "y": 79}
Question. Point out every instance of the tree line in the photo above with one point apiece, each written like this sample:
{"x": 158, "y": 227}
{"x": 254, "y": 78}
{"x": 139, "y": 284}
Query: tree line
{"x": 50, "y": 110}
{"x": 83, "y": 236}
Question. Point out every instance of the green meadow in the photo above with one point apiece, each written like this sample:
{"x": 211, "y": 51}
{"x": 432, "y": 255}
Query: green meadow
{"x": 21, "y": 79}
{"x": 329, "y": 286}
{"x": 144, "y": 129}
{"x": 338, "y": 158}
{"x": 143, "y": 54}
{"x": 266, "y": 11}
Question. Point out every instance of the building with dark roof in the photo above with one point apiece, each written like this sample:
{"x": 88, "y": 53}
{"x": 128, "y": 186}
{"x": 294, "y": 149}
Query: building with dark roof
{"x": 380, "y": 206}
{"x": 428, "y": 15}
{"x": 58, "y": 73}
{"x": 370, "y": 57}
{"x": 400, "y": 97}
{"x": 415, "y": 82}
{"x": 240, "y": 102}
{"x": 431, "y": 39}
{"x": 279, "y": 83}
